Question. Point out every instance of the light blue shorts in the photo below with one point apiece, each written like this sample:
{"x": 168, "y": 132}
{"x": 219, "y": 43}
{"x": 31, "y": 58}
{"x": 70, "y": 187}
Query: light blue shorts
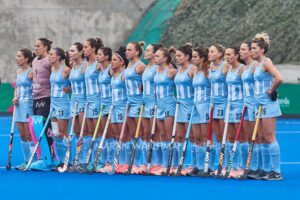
{"x": 106, "y": 105}
{"x": 61, "y": 107}
{"x": 135, "y": 103}
{"x": 270, "y": 109}
{"x": 165, "y": 109}
{"x": 184, "y": 111}
{"x": 149, "y": 109}
{"x": 118, "y": 114}
{"x": 81, "y": 103}
{"x": 24, "y": 110}
{"x": 235, "y": 111}
{"x": 201, "y": 113}
{"x": 93, "y": 109}
{"x": 219, "y": 110}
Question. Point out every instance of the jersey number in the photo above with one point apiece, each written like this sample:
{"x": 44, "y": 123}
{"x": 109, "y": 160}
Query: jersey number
{"x": 120, "y": 116}
{"x": 60, "y": 113}
{"x": 95, "y": 112}
{"x": 220, "y": 113}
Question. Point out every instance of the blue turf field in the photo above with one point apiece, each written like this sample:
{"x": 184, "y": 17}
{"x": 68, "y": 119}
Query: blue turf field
{"x": 52, "y": 185}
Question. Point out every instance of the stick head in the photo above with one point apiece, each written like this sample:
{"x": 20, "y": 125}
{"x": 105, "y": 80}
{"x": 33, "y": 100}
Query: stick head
{"x": 8, "y": 167}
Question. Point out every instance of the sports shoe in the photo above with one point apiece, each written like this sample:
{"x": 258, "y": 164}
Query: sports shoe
{"x": 21, "y": 167}
{"x": 234, "y": 173}
{"x": 272, "y": 176}
{"x": 257, "y": 175}
{"x": 160, "y": 171}
{"x": 173, "y": 171}
{"x": 142, "y": 169}
{"x": 90, "y": 168}
{"x": 124, "y": 169}
{"x": 193, "y": 172}
{"x": 81, "y": 168}
{"x": 223, "y": 172}
{"x": 134, "y": 170}
{"x": 119, "y": 168}
{"x": 240, "y": 172}
{"x": 185, "y": 171}
{"x": 71, "y": 168}
{"x": 153, "y": 169}
{"x": 201, "y": 173}
{"x": 102, "y": 169}
{"x": 109, "y": 168}
{"x": 40, "y": 165}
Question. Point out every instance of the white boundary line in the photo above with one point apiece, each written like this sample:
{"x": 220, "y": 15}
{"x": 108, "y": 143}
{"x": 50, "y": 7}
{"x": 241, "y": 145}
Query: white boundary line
{"x": 290, "y": 163}
{"x": 288, "y": 132}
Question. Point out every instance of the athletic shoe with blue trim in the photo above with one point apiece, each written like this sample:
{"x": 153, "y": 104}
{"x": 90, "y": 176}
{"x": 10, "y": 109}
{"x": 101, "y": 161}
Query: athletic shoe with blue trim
{"x": 21, "y": 167}
{"x": 272, "y": 176}
{"x": 41, "y": 165}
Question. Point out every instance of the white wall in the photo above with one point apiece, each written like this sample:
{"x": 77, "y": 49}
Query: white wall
{"x": 64, "y": 22}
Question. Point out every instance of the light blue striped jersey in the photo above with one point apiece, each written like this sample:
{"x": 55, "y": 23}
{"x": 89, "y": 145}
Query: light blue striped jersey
{"x": 58, "y": 83}
{"x": 133, "y": 81}
{"x": 104, "y": 82}
{"x": 91, "y": 80}
{"x": 201, "y": 88}
{"x": 77, "y": 81}
{"x": 248, "y": 81}
{"x": 118, "y": 87}
{"x": 218, "y": 84}
{"x": 262, "y": 83}
{"x": 164, "y": 86}
{"x": 148, "y": 83}
{"x": 24, "y": 85}
{"x": 184, "y": 84}
{"x": 235, "y": 84}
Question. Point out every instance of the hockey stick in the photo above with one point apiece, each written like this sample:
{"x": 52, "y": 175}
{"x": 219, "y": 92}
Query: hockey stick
{"x": 11, "y": 139}
{"x": 209, "y": 141}
{"x": 187, "y": 136}
{"x": 222, "y": 152}
{"x": 172, "y": 141}
{"x": 237, "y": 138}
{"x": 89, "y": 153}
{"x": 136, "y": 137}
{"x": 79, "y": 143}
{"x": 118, "y": 150}
{"x": 38, "y": 142}
{"x": 149, "y": 156}
{"x": 100, "y": 147}
{"x": 70, "y": 138}
{"x": 250, "y": 151}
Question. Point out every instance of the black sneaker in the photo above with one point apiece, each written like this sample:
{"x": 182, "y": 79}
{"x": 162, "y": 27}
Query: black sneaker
{"x": 257, "y": 175}
{"x": 272, "y": 176}
{"x": 194, "y": 172}
{"x": 71, "y": 168}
